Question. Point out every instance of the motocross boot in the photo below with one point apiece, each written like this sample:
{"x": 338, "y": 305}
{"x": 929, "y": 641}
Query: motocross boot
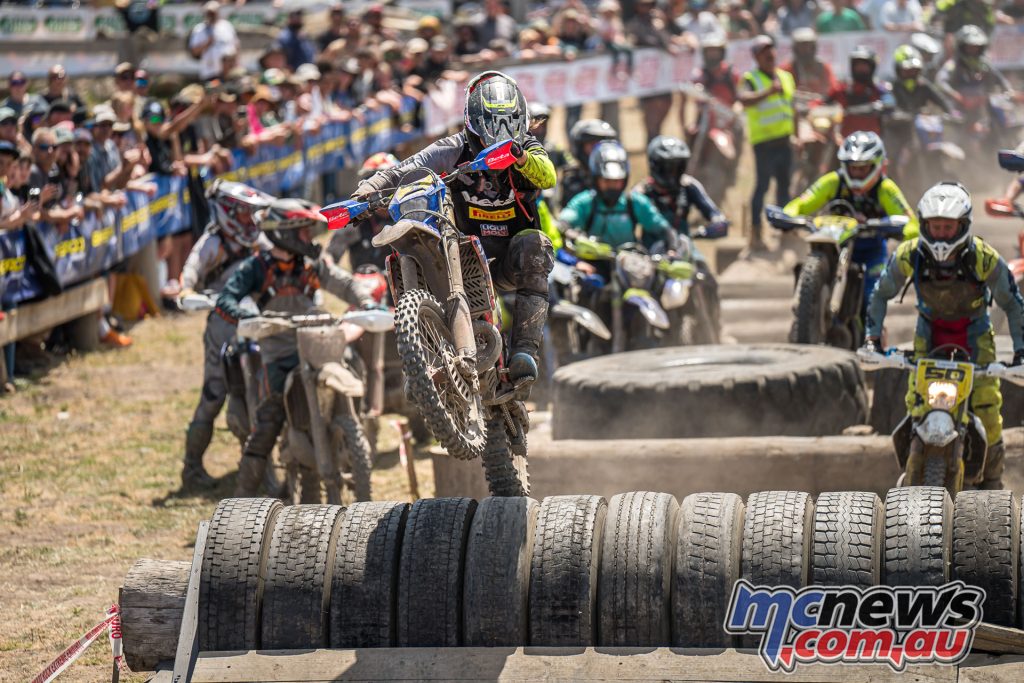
{"x": 250, "y": 476}
{"x": 993, "y": 476}
{"x": 528, "y": 318}
{"x": 193, "y": 474}
{"x": 309, "y": 485}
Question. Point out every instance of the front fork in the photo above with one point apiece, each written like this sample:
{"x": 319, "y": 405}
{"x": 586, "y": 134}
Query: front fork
{"x": 325, "y": 464}
{"x": 618, "y": 324}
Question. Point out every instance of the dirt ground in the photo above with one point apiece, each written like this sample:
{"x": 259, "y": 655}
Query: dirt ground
{"x": 90, "y": 457}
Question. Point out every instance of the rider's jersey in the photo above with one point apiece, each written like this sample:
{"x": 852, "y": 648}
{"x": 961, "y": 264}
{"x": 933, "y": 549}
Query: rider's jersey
{"x": 882, "y": 200}
{"x": 818, "y": 79}
{"x": 615, "y": 225}
{"x": 980, "y": 276}
{"x": 855, "y": 95}
{"x": 957, "y": 77}
{"x": 675, "y": 205}
{"x": 914, "y": 97}
{"x": 722, "y": 83}
{"x": 492, "y": 204}
{"x": 212, "y": 260}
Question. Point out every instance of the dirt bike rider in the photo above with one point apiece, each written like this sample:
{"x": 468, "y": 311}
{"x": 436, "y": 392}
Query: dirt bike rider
{"x": 913, "y": 94}
{"x": 673, "y": 192}
{"x": 955, "y": 276}
{"x": 229, "y": 239}
{"x": 969, "y": 73}
{"x": 497, "y": 206}
{"x": 862, "y": 90}
{"x": 356, "y": 240}
{"x": 282, "y": 280}
{"x": 583, "y": 137}
{"x": 810, "y": 74}
{"x": 719, "y": 80}
{"x": 861, "y": 180}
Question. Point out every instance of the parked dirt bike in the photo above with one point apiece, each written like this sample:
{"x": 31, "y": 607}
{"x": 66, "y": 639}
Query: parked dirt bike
{"x": 447, "y": 325}
{"x": 324, "y": 443}
{"x": 945, "y": 445}
{"x": 830, "y": 285}
{"x": 715, "y": 142}
{"x": 638, "y": 320}
{"x": 572, "y": 324}
{"x": 1011, "y": 161}
{"x": 817, "y": 128}
{"x": 925, "y": 156}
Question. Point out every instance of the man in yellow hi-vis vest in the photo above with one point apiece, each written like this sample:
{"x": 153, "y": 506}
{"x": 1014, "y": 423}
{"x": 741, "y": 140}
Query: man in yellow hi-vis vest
{"x": 767, "y": 94}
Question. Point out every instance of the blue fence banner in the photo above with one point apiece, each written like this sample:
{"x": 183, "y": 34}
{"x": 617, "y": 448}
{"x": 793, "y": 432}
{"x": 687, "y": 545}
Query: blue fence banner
{"x": 100, "y": 241}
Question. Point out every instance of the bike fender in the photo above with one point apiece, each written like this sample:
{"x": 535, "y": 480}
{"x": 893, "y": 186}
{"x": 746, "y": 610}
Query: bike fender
{"x": 675, "y": 293}
{"x": 818, "y": 238}
{"x": 937, "y": 429}
{"x": 396, "y": 232}
{"x": 583, "y": 317}
{"x": 259, "y": 327}
{"x": 339, "y": 378}
{"x": 723, "y": 141}
{"x": 653, "y": 313}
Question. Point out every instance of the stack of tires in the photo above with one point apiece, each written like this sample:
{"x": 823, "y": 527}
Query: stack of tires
{"x": 639, "y": 570}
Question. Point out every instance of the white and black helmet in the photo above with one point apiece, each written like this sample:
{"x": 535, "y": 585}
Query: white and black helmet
{"x": 282, "y": 220}
{"x": 495, "y": 110}
{"x": 862, "y": 160}
{"x": 233, "y": 206}
{"x": 945, "y": 200}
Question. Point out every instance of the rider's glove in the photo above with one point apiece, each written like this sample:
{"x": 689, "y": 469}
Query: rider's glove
{"x": 572, "y": 234}
{"x": 1018, "y": 358}
{"x": 363, "y": 192}
{"x": 872, "y": 345}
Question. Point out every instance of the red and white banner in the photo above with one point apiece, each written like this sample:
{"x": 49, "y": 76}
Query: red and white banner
{"x": 112, "y": 624}
{"x": 599, "y": 79}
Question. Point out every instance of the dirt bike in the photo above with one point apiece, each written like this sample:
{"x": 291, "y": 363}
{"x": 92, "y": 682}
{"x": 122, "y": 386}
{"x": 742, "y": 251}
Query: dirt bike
{"x": 638, "y": 320}
{"x": 447, "y": 326}
{"x": 572, "y": 324}
{"x": 1011, "y": 161}
{"x": 925, "y": 155}
{"x": 324, "y": 441}
{"x": 715, "y": 142}
{"x": 816, "y": 131}
{"x": 945, "y": 445}
{"x": 829, "y": 294}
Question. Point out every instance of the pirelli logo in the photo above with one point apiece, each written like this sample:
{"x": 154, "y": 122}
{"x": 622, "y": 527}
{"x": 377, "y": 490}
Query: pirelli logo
{"x": 484, "y": 215}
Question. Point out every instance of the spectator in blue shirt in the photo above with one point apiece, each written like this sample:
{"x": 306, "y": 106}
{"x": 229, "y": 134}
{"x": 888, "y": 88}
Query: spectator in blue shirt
{"x": 298, "y": 48}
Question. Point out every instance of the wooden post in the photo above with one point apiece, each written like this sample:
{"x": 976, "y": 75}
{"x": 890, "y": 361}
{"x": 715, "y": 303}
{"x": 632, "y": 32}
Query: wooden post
{"x": 152, "y": 601}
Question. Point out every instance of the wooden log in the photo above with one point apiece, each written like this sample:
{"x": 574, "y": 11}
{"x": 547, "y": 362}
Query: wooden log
{"x": 1000, "y": 640}
{"x": 152, "y": 601}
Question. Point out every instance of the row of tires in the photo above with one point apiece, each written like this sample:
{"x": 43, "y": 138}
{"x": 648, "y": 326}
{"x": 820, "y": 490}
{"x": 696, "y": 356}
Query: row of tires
{"x": 639, "y": 570}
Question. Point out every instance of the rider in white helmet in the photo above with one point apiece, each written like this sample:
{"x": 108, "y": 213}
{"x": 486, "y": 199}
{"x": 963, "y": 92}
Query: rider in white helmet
{"x": 955, "y": 274}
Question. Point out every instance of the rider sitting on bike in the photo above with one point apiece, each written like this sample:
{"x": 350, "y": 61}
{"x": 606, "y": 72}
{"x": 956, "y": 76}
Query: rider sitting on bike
{"x": 674, "y": 193}
{"x": 911, "y": 91}
{"x": 231, "y": 236}
{"x": 583, "y": 137}
{"x": 810, "y": 74}
{"x": 716, "y": 75}
{"x": 282, "y": 280}
{"x": 970, "y": 72}
{"x": 499, "y": 207}
{"x": 863, "y": 92}
{"x": 862, "y": 183}
{"x": 356, "y": 240}
{"x": 955, "y": 275}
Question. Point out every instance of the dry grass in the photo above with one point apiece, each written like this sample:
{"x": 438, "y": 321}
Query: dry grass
{"x": 90, "y": 456}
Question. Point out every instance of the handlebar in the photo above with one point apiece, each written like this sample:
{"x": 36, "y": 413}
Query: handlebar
{"x": 871, "y": 361}
{"x": 890, "y": 226}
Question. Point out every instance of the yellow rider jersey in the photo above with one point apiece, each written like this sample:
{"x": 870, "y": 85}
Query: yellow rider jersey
{"x": 884, "y": 199}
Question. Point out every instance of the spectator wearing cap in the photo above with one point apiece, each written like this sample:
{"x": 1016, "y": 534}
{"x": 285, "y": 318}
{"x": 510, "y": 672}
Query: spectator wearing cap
{"x": 273, "y": 57}
{"x": 18, "y": 98}
{"x": 161, "y": 131}
{"x": 297, "y": 46}
{"x": 766, "y": 92}
{"x": 11, "y": 214}
{"x": 57, "y": 88}
{"x": 335, "y": 26}
{"x": 428, "y": 28}
{"x": 59, "y": 112}
{"x": 104, "y": 162}
{"x": 210, "y": 39}
{"x": 496, "y": 23}
{"x": 124, "y": 77}
{"x": 8, "y": 126}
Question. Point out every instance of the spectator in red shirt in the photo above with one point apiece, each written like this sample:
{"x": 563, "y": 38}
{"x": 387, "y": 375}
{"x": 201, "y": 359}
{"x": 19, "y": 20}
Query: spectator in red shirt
{"x": 810, "y": 73}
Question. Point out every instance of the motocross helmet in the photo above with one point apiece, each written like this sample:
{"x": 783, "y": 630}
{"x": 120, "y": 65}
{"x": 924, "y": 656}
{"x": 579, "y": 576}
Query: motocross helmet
{"x": 283, "y": 221}
{"x": 907, "y": 63}
{"x": 609, "y": 161}
{"x": 712, "y": 50}
{"x": 863, "y": 63}
{"x": 930, "y": 49}
{"x": 495, "y": 110}
{"x": 945, "y": 200}
{"x": 971, "y": 44}
{"x": 588, "y": 132}
{"x": 862, "y": 160}
{"x": 667, "y": 158}
{"x": 377, "y": 162}
{"x": 233, "y": 207}
{"x": 805, "y": 44}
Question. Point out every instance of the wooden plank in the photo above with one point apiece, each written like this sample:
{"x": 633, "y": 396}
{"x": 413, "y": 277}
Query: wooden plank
{"x": 991, "y": 669}
{"x": 533, "y": 664}
{"x": 188, "y": 636}
{"x": 29, "y": 319}
{"x": 998, "y": 640}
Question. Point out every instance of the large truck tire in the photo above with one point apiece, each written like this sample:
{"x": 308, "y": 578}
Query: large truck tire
{"x": 986, "y": 550}
{"x": 849, "y": 528}
{"x": 918, "y": 535}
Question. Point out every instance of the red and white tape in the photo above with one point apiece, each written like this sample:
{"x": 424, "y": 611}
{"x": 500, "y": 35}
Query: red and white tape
{"x": 112, "y": 624}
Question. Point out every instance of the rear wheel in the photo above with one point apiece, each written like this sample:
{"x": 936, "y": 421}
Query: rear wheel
{"x": 813, "y": 291}
{"x": 445, "y": 399}
{"x": 506, "y": 472}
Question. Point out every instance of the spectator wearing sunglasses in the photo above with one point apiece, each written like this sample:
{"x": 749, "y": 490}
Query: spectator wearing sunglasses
{"x": 124, "y": 76}
{"x": 19, "y": 99}
{"x": 47, "y": 177}
{"x": 57, "y": 88}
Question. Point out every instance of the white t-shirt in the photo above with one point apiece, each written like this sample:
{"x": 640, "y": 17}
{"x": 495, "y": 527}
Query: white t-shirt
{"x": 225, "y": 41}
{"x": 894, "y": 14}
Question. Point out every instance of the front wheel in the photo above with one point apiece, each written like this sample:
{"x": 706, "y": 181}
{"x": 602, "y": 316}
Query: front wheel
{"x": 934, "y": 472}
{"x": 813, "y": 292}
{"x": 448, "y": 404}
{"x": 505, "y": 471}
{"x": 360, "y": 455}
